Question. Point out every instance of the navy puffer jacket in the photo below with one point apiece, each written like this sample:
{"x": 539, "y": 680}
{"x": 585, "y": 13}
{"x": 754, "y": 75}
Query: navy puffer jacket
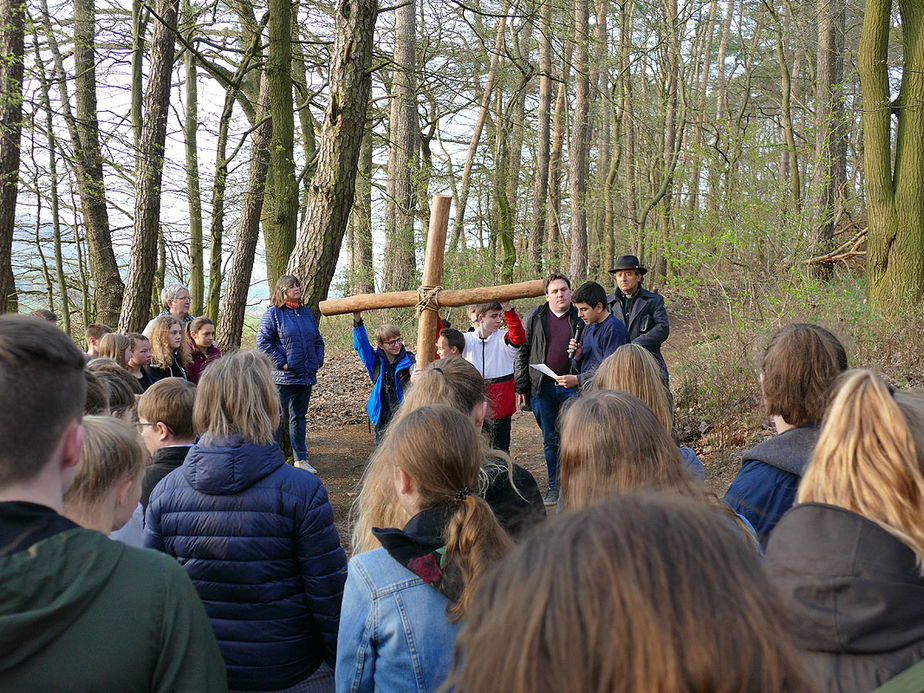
{"x": 257, "y": 537}
{"x": 290, "y": 337}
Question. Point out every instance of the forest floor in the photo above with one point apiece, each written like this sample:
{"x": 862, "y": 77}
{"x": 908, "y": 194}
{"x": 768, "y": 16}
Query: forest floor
{"x": 340, "y": 440}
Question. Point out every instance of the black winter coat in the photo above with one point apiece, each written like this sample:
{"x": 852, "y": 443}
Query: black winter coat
{"x": 648, "y": 325}
{"x": 853, "y": 595}
{"x": 528, "y": 380}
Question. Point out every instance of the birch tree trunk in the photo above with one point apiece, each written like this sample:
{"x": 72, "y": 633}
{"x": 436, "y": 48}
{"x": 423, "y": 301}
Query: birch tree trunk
{"x": 135, "y": 309}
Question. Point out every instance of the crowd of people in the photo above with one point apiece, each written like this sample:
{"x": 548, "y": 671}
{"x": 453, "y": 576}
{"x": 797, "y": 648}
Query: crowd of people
{"x": 153, "y": 536}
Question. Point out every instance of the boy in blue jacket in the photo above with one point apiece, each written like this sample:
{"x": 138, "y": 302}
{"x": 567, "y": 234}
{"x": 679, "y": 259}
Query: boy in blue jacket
{"x": 603, "y": 334}
{"x": 389, "y": 367}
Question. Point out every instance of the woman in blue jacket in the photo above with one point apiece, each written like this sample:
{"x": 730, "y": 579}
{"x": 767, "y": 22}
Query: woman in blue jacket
{"x": 256, "y": 535}
{"x": 289, "y": 335}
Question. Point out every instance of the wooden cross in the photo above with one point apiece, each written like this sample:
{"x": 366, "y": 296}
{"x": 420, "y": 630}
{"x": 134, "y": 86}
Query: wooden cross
{"x": 430, "y": 296}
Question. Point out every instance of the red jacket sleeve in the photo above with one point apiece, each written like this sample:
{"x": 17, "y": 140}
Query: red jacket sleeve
{"x": 516, "y": 335}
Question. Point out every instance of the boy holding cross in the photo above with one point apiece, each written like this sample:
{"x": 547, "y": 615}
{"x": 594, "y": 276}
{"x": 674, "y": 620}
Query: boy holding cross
{"x": 492, "y": 351}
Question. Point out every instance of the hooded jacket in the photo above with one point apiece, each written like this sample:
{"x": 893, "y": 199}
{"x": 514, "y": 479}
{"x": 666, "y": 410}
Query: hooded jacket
{"x": 766, "y": 484}
{"x": 853, "y": 595}
{"x": 258, "y": 539}
{"x": 79, "y": 612}
{"x": 290, "y": 337}
{"x": 374, "y": 360}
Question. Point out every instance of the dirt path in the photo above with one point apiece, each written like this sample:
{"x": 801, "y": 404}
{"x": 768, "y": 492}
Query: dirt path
{"x": 340, "y": 440}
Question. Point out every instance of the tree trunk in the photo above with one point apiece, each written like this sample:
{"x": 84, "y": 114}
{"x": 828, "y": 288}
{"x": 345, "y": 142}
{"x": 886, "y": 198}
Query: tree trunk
{"x": 237, "y": 282}
{"x": 795, "y": 183}
{"x": 577, "y": 153}
{"x": 216, "y": 231}
{"x": 457, "y": 225}
{"x": 53, "y": 182}
{"x": 628, "y": 126}
{"x": 139, "y": 26}
{"x": 541, "y": 180}
{"x": 135, "y": 309}
{"x": 83, "y": 129}
{"x": 315, "y": 257}
{"x": 361, "y": 276}
{"x": 190, "y": 128}
{"x": 553, "y": 240}
{"x": 894, "y": 203}
{"x": 400, "y": 266}
{"x": 12, "y": 50}
{"x": 280, "y": 211}
{"x": 831, "y": 132}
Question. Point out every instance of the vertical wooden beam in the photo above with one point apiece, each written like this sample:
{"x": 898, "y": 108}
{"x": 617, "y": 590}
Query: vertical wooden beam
{"x": 432, "y": 275}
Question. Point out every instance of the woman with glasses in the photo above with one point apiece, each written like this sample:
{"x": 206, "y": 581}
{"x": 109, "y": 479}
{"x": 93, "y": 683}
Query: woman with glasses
{"x": 289, "y": 335}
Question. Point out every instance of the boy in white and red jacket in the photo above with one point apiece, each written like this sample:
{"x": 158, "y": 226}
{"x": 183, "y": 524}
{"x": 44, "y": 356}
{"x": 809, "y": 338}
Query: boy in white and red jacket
{"x": 492, "y": 351}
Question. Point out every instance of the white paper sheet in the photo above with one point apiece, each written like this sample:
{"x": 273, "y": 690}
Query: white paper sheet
{"x": 545, "y": 370}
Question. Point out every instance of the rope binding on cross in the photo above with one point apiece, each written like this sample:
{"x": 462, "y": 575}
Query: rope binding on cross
{"x": 428, "y": 298}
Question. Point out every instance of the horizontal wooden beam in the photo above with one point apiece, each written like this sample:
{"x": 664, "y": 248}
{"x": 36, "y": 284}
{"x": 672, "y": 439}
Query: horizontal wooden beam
{"x": 449, "y": 298}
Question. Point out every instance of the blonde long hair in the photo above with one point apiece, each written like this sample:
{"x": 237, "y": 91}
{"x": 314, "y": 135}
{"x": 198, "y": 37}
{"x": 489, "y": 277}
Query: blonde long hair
{"x": 446, "y": 475}
{"x": 632, "y": 368}
{"x": 162, "y": 355}
{"x": 111, "y": 452}
{"x": 869, "y": 457}
{"x": 453, "y": 381}
{"x": 113, "y": 346}
{"x": 237, "y": 396}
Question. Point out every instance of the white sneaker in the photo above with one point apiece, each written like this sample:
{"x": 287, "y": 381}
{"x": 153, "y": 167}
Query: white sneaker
{"x": 306, "y": 465}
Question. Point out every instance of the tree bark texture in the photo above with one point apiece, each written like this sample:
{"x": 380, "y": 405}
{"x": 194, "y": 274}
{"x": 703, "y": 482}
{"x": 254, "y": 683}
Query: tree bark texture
{"x": 280, "y": 212}
{"x": 83, "y": 128}
{"x": 12, "y": 50}
{"x": 543, "y": 143}
{"x": 400, "y": 265}
{"x": 190, "y": 128}
{"x": 314, "y": 259}
{"x": 141, "y": 266}
{"x": 578, "y": 151}
{"x": 361, "y": 276}
{"x": 237, "y": 282}
{"x": 830, "y": 172}
{"x": 895, "y": 204}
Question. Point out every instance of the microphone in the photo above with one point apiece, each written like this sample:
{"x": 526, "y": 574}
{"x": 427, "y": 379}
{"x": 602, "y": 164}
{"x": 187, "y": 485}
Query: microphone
{"x": 577, "y": 337}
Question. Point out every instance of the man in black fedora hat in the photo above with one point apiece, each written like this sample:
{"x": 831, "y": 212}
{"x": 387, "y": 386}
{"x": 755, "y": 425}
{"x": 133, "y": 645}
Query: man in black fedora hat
{"x": 641, "y": 310}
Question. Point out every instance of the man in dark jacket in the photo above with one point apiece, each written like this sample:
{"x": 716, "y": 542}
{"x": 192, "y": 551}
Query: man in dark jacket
{"x": 549, "y": 329}
{"x": 641, "y": 311}
{"x": 77, "y": 610}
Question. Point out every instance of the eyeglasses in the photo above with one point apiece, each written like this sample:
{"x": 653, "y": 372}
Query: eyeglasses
{"x": 393, "y": 342}
{"x": 140, "y": 426}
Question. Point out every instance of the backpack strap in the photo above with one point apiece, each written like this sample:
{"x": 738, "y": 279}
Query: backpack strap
{"x": 911, "y": 680}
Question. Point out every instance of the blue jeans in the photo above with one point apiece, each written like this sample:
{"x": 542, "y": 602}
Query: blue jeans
{"x": 294, "y": 401}
{"x": 546, "y": 406}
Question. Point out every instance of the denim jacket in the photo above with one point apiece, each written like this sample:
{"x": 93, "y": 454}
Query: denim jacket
{"x": 394, "y": 635}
